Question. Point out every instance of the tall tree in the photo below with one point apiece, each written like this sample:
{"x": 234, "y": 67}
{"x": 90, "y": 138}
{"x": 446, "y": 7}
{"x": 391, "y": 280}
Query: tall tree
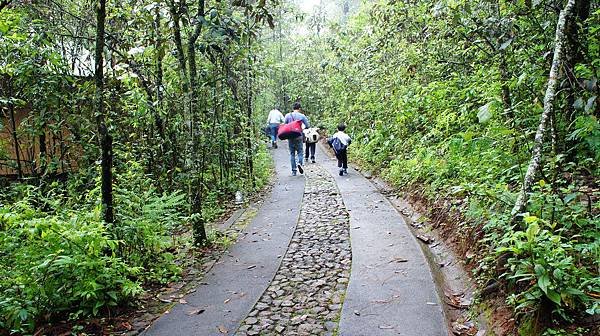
{"x": 560, "y": 41}
{"x": 105, "y": 137}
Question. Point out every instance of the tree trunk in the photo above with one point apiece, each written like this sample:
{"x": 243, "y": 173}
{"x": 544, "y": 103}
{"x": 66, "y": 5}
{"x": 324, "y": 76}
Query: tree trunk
{"x": 105, "y": 138}
{"x": 574, "y": 52}
{"x": 505, "y": 77}
{"x": 159, "y": 73}
{"x": 43, "y": 148}
{"x": 249, "y": 127}
{"x": 11, "y": 111}
{"x": 197, "y": 171}
{"x": 536, "y": 155}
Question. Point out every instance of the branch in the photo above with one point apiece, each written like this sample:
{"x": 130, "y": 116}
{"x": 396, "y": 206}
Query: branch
{"x": 199, "y": 23}
{"x": 548, "y": 110}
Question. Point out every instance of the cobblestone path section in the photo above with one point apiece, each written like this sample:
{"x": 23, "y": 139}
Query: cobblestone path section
{"x": 231, "y": 288}
{"x": 391, "y": 289}
{"x": 306, "y": 295}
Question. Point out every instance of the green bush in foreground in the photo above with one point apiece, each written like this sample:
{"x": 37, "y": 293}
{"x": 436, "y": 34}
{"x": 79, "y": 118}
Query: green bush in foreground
{"x": 58, "y": 263}
{"x": 65, "y": 262}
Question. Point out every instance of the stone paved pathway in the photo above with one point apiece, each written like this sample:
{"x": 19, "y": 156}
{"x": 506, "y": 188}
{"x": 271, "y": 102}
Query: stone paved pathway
{"x": 306, "y": 294}
{"x": 325, "y": 255}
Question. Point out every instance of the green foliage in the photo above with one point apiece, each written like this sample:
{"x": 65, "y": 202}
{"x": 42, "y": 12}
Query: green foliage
{"x": 54, "y": 263}
{"x": 65, "y": 261}
{"x": 561, "y": 332}
{"x": 176, "y": 161}
{"x": 546, "y": 263}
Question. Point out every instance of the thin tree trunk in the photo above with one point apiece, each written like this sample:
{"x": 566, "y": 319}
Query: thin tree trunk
{"x": 43, "y": 149}
{"x": 105, "y": 138}
{"x": 159, "y": 123}
{"x": 11, "y": 111}
{"x": 195, "y": 130}
{"x": 505, "y": 77}
{"x": 249, "y": 128}
{"x": 178, "y": 44}
{"x": 159, "y": 73}
{"x": 536, "y": 155}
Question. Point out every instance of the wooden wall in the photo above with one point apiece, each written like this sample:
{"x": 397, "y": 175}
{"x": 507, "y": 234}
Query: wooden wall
{"x": 59, "y": 149}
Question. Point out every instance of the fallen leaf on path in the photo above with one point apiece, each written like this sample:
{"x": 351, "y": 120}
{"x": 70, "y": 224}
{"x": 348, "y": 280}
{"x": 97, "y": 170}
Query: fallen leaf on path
{"x": 386, "y": 327}
{"x": 196, "y": 312}
{"x": 398, "y": 259}
{"x": 425, "y": 239}
{"x": 465, "y": 302}
{"x": 251, "y": 267}
{"x": 222, "y": 329}
{"x": 468, "y": 328}
{"x": 176, "y": 285}
{"x": 226, "y": 301}
{"x": 126, "y": 326}
{"x": 357, "y": 313}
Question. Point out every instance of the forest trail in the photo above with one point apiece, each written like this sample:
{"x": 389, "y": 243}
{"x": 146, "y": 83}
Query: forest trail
{"x": 325, "y": 255}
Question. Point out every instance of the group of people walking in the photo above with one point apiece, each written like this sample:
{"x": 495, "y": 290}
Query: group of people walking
{"x": 309, "y": 137}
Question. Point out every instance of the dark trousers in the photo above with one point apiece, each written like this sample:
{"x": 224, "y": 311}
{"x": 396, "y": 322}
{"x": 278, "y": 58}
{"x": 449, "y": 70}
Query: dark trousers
{"x": 342, "y": 156}
{"x": 310, "y": 148}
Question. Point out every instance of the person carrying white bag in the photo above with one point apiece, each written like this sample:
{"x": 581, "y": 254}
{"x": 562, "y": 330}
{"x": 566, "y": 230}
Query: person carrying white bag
{"x": 311, "y": 136}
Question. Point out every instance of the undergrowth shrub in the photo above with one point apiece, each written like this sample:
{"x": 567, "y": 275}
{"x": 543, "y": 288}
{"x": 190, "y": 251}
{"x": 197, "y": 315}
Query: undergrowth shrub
{"x": 57, "y": 264}
{"x": 546, "y": 263}
{"x": 60, "y": 260}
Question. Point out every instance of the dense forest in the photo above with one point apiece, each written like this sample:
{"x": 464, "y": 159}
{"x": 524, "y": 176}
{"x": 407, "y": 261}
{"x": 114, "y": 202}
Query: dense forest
{"x": 127, "y": 127}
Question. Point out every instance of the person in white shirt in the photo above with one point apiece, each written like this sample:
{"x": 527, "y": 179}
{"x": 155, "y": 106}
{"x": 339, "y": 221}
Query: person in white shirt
{"x": 274, "y": 119}
{"x": 340, "y": 142}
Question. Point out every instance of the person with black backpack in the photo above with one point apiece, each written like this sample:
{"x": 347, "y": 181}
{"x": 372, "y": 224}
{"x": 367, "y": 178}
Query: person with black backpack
{"x": 340, "y": 142}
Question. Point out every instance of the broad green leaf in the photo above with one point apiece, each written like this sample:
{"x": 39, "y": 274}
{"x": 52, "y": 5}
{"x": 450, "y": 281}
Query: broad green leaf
{"x": 589, "y": 106}
{"x": 532, "y": 231}
{"x": 570, "y": 197}
{"x": 484, "y": 114}
{"x": 553, "y": 296}
{"x": 543, "y": 282}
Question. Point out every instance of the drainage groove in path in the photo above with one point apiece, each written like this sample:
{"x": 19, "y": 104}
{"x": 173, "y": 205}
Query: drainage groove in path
{"x": 305, "y": 296}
